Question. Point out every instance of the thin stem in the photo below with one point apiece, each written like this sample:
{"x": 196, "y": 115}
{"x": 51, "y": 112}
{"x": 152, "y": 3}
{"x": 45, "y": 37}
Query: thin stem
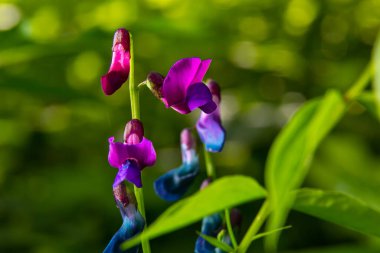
{"x": 229, "y": 228}
{"x": 254, "y": 228}
{"x": 361, "y": 82}
{"x": 209, "y": 165}
{"x": 133, "y": 89}
{"x": 135, "y": 110}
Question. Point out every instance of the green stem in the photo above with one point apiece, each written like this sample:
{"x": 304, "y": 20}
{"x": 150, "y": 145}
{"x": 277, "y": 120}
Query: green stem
{"x": 133, "y": 89}
{"x": 135, "y": 110}
{"x": 209, "y": 165}
{"x": 229, "y": 228}
{"x": 254, "y": 228}
{"x": 361, "y": 83}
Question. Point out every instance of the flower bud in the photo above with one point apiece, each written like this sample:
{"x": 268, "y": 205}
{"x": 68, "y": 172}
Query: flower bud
{"x": 154, "y": 82}
{"x": 121, "y": 39}
{"x": 187, "y": 139}
{"x": 214, "y": 88}
{"x": 123, "y": 195}
{"x": 133, "y": 132}
{"x": 206, "y": 182}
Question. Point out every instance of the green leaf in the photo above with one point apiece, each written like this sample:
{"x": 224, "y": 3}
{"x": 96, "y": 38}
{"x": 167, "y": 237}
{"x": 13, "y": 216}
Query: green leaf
{"x": 292, "y": 152}
{"x": 258, "y": 236}
{"x": 376, "y": 79}
{"x": 215, "y": 242}
{"x": 223, "y": 193}
{"x": 340, "y": 209}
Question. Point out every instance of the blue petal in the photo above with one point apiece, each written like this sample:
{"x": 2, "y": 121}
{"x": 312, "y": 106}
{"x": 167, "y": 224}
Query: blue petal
{"x": 133, "y": 224}
{"x": 211, "y": 226}
{"x": 211, "y": 132}
{"x": 172, "y": 185}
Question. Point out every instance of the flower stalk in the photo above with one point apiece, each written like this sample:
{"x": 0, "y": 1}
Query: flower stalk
{"x": 135, "y": 110}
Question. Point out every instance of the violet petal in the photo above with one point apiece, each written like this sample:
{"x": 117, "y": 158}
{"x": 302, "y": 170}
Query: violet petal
{"x": 201, "y": 72}
{"x": 118, "y": 72}
{"x": 129, "y": 171}
{"x": 142, "y": 152}
{"x": 211, "y": 131}
{"x": 178, "y": 79}
{"x": 198, "y": 95}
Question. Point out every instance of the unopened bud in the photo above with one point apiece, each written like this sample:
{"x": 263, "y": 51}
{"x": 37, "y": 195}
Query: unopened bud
{"x": 214, "y": 88}
{"x": 123, "y": 195}
{"x": 134, "y": 132}
{"x": 154, "y": 82}
{"x": 121, "y": 38}
{"x": 187, "y": 139}
{"x": 205, "y": 183}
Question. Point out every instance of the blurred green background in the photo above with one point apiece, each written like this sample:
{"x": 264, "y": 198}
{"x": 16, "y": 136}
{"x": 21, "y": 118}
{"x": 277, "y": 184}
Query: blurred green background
{"x": 269, "y": 57}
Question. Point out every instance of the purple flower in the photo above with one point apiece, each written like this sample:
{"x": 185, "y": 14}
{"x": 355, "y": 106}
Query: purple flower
{"x": 119, "y": 69}
{"x": 132, "y": 156}
{"x": 133, "y": 222}
{"x": 182, "y": 89}
{"x": 209, "y": 126}
{"x": 173, "y": 185}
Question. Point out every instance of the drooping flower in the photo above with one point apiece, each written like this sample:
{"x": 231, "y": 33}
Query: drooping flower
{"x": 119, "y": 70}
{"x": 133, "y": 222}
{"x": 132, "y": 156}
{"x": 209, "y": 126}
{"x": 182, "y": 89}
{"x": 173, "y": 185}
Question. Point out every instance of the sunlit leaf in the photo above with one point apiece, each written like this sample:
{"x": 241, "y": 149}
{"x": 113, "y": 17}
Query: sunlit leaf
{"x": 224, "y": 193}
{"x": 292, "y": 152}
{"x": 376, "y": 80}
{"x": 340, "y": 209}
{"x": 260, "y": 235}
{"x": 215, "y": 242}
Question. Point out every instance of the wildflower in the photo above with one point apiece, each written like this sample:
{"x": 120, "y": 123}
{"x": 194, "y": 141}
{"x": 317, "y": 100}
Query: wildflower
{"x": 132, "y": 156}
{"x": 209, "y": 126}
{"x": 182, "y": 89}
{"x": 119, "y": 70}
{"x": 133, "y": 222}
{"x": 172, "y": 185}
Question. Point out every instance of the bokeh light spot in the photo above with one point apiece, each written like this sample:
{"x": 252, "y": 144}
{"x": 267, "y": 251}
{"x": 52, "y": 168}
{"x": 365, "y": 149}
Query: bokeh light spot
{"x": 9, "y": 16}
{"x": 84, "y": 70}
{"x": 244, "y": 54}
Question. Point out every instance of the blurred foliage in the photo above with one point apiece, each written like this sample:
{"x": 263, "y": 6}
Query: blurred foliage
{"x": 269, "y": 57}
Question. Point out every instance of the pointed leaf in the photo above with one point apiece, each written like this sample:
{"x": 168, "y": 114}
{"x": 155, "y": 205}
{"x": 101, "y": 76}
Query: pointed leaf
{"x": 292, "y": 151}
{"x": 224, "y": 193}
{"x": 215, "y": 242}
{"x": 340, "y": 209}
{"x": 258, "y": 236}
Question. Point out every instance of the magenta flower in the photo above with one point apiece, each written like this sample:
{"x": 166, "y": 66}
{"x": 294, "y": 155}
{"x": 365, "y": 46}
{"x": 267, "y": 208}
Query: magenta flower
{"x": 132, "y": 156}
{"x": 119, "y": 69}
{"x": 209, "y": 126}
{"x": 182, "y": 89}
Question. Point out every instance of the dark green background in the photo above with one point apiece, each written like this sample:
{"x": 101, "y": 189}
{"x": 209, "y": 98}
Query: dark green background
{"x": 268, "y": 56}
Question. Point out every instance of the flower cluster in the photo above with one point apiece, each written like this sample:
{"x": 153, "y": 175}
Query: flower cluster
{"x": 183, "y": 90}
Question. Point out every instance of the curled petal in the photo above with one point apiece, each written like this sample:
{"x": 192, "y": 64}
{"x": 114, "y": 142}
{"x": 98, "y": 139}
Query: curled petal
{"x": 143, "y": 153}
{"x": 131, "y": 172}
{"x": 199, "y": 95}
{"x": 173, "y": 185}
{"x": 201, "y": 72}
{"x": 120, "y": 65}
{"x": 211, "y": 132}
{"x": 133, "y": 224}
{"x": 178, "y": 79}
{"x": 211, "y": 225}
